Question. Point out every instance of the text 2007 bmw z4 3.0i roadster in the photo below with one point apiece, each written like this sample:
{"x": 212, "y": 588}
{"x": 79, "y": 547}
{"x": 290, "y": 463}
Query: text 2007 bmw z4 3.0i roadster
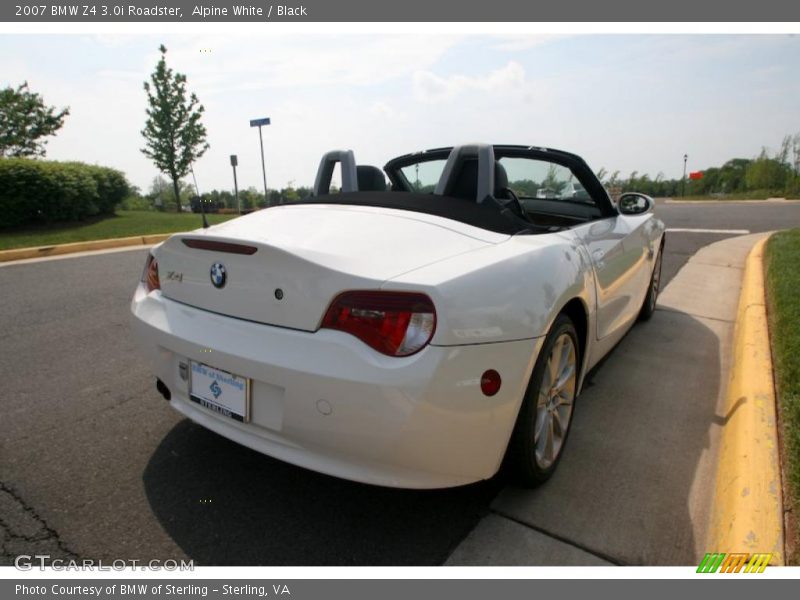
{"x": 417, "y": 333}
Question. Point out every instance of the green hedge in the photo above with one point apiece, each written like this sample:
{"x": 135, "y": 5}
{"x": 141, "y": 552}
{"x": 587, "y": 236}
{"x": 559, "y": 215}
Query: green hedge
{"x": 39, "y": 191}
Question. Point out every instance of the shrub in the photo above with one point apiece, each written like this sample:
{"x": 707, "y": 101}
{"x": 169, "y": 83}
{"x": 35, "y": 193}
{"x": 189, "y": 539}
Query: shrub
{"x": 136, "y": 202}
{"x": 37, "y": 191}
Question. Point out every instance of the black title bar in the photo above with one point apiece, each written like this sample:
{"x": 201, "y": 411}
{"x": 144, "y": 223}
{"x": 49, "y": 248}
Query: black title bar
{"x": 406, "y": 11}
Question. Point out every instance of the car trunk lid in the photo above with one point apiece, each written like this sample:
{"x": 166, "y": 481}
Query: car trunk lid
{"x": 284, "y": 265}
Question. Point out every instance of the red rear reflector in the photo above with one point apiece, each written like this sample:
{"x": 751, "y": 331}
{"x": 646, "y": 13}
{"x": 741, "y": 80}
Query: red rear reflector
{"x": 490, "y": 382}
{"x": 150, "y": 274}
{"x": 219, "y": 246}
{"x": 394, "y": 323}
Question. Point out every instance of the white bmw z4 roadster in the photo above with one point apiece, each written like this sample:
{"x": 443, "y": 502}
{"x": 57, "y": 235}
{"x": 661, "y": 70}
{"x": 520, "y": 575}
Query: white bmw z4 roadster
{"x": 418, "y": 332}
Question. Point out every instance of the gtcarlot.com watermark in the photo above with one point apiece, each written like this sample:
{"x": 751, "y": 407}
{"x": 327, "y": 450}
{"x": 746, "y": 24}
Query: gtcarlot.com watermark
{"x": 27, "y": 562}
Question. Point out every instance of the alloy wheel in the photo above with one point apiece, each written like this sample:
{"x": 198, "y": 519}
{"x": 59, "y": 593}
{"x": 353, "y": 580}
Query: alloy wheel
{"x": 555, "y": 400}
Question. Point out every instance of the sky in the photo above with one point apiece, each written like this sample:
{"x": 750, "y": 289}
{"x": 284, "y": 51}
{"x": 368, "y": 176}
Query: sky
{"x": 623, "y": 102}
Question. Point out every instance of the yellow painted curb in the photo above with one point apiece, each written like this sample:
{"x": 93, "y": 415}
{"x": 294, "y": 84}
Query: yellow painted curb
{"x": 747, "y": 515}
{"x": 40, "y": 251}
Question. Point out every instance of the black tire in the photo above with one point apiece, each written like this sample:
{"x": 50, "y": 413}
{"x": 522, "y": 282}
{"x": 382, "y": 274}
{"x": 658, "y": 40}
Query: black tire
{"x": 522, "y": 464}
{"x": 649, "y": 305}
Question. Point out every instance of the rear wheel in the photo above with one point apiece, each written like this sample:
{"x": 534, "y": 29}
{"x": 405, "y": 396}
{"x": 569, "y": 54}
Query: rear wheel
{"x": 649, "y": 306}
{"x": 545, "y": 417}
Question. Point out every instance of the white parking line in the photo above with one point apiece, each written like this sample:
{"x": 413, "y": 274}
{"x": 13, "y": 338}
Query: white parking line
{"x": 727, "y": 231}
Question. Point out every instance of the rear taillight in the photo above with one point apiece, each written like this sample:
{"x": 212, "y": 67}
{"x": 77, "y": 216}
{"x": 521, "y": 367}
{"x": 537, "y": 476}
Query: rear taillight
{"x": 394, "y": 323}
{"x": 150, "y": 274}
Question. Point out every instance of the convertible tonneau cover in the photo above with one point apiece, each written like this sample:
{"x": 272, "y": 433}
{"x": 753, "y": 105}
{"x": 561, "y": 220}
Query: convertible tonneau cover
{"x": 487, "y": 215}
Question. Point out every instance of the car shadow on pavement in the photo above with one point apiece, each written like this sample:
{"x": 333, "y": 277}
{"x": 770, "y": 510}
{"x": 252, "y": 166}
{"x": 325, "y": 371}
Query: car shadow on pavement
{"x": 634, "y": 486}
{"x": 224, "y": 504}
{"x": 636, "y": 482}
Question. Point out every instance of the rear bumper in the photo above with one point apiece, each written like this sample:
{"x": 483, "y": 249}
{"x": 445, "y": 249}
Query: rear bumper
{"x": 327, "y": 402}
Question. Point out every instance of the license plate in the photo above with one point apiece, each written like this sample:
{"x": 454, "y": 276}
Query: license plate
{"x": 224, "y": 393}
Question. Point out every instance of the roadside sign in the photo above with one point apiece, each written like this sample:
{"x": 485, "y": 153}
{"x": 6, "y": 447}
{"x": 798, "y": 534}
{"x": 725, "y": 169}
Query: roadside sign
{"x": 696, "y": 175}
{"x": 259, "y": 122}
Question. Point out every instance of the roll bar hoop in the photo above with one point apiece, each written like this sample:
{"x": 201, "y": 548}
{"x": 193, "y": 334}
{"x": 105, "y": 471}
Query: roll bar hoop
{"x": 346, "y": 158}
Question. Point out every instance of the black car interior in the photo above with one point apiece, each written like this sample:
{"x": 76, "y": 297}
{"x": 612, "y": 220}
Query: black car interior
{"x": 462, "y": 183}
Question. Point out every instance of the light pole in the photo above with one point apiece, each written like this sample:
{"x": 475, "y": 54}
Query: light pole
{"x": 260, "y": 123}
{"x": 683, "y": 181}
{"x": 234, "y": 163}
{"x": 199, "y": 199}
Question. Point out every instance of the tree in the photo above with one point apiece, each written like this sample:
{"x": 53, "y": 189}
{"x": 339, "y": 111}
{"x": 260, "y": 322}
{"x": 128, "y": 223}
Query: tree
{"x": 274, "y": 199}
{"x": 793, "y": 186}
{"x": 732, "y": 174}
{"x": 249, "y": 198}
{"x": 174, "y": 136}
{"x": 796, "y": 153}
{"x": 159, "y": 193}
{"x": 765, "y": 173}
{"x": 553, "y": 180}
{"x": 25, "y": 121}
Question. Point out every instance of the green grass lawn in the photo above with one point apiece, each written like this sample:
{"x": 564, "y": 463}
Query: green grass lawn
{"x": 125, "y": 223}
{"x": 783, "y": 309}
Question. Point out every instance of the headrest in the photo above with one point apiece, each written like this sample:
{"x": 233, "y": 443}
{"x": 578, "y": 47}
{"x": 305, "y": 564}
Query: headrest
{"x": 370, "y": 179}
{"x": 466, "y": 183}
{"x": 500, "y": 177}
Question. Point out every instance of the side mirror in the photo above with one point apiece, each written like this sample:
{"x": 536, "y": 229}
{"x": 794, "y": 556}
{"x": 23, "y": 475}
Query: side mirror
{"x": 634, "y": 203}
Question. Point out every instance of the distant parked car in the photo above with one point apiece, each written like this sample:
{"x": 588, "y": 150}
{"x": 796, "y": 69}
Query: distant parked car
{"x": 575, "y": 190}
{"x": 402, "y": 338}
{"x": 210, "y": 206}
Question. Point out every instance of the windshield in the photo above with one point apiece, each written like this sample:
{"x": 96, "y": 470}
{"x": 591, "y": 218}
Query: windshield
{"x": 534, "y": 178}
{"x": 422, "y": 177}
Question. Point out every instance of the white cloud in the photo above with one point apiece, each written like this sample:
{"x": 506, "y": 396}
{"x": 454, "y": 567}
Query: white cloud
{"x": 113, "y": 41}
{"x": 249, "y": 63}
{"x": 520, "y": 43}
{"x": 429, "y": 87}
{"x": 383, "y": 110}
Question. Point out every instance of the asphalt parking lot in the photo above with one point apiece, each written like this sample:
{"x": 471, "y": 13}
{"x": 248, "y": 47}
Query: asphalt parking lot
{"x": 94, "y": 464}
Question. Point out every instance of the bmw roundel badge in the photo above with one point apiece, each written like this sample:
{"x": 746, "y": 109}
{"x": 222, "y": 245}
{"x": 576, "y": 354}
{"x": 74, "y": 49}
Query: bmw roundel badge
{"x": 218, "y": 275}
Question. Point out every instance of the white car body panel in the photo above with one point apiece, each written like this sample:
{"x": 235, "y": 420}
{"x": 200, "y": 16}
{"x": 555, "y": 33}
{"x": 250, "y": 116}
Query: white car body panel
{"x": 615, "y": 250}
{"x": 416, "y": 422}
{"x": 482, "y": 290}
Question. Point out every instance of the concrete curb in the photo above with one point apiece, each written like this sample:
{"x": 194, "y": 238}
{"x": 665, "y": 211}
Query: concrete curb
{"x": 747, "y": 515}
{"x": 40, "y": 251}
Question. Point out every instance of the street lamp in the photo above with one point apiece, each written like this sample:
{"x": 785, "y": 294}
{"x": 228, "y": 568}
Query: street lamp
{"x": 683, "y": 181}
{"x": 260, "y": 123}
{"x": 234, "y": 163}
